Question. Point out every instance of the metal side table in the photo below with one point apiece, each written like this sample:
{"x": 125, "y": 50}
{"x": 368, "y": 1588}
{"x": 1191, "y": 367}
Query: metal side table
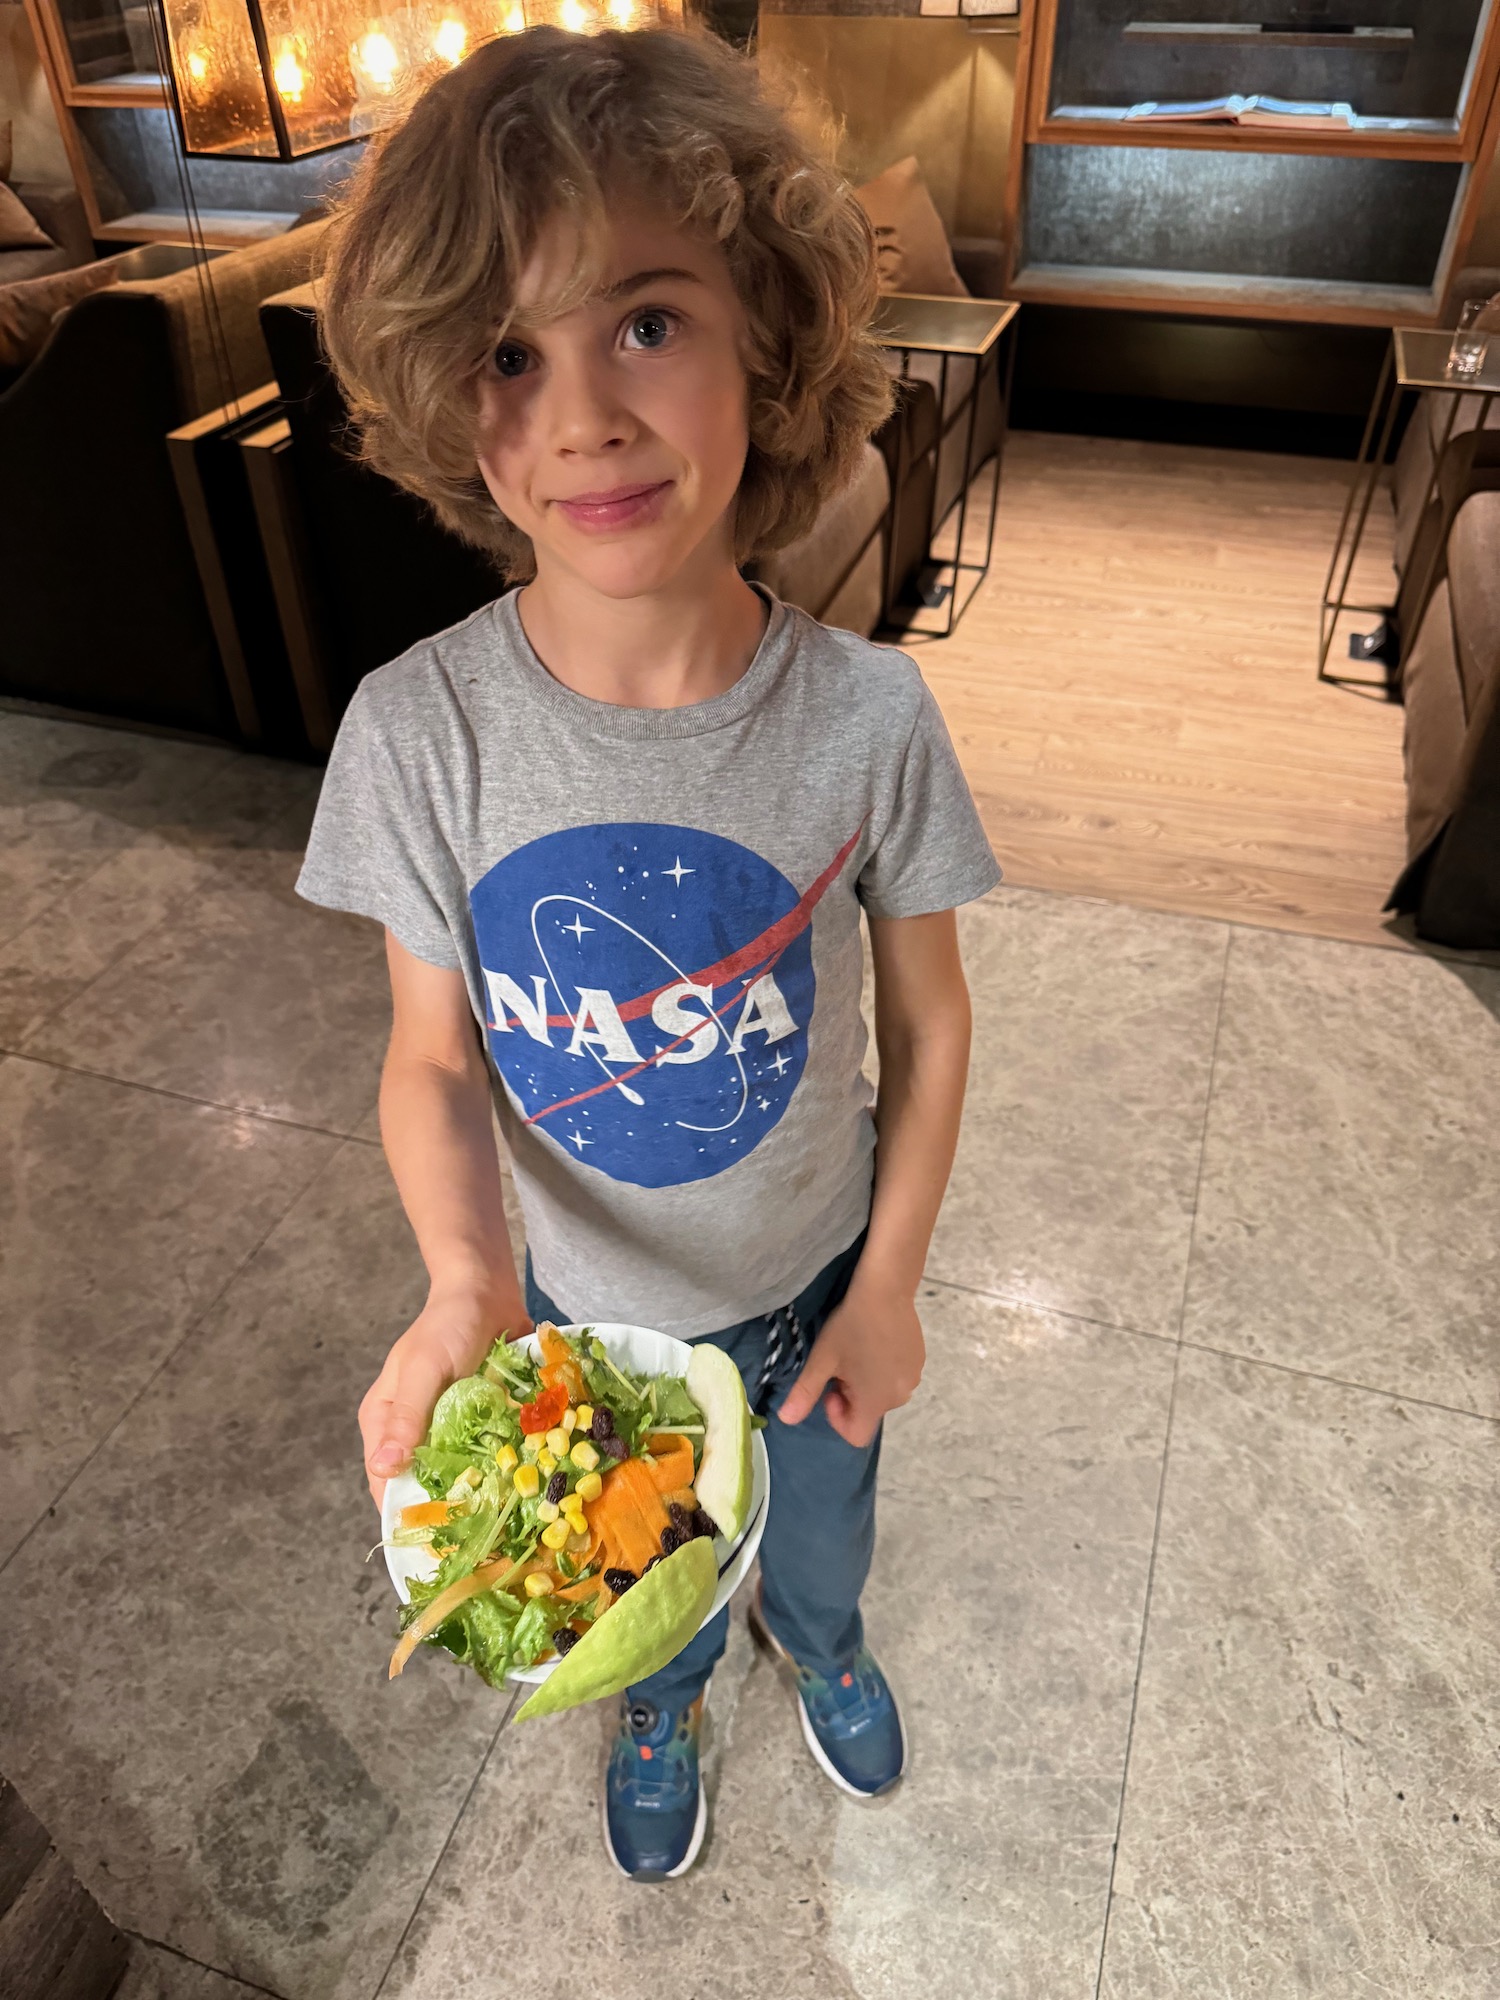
{"x": 1417, "y": 360}
{"x": 910, "y": 323}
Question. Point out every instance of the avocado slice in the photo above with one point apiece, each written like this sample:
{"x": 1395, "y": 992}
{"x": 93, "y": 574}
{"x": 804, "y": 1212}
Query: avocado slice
{"x": 637, "y": 1635}
{"x": 726, "y": 1473}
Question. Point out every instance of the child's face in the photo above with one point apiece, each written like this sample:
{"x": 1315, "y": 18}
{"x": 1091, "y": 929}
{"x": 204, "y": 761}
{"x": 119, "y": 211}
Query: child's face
{"x": 615, "y": 435}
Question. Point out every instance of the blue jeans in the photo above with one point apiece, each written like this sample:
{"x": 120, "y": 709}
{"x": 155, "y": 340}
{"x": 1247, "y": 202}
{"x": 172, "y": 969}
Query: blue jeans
{"x": 820, "y": 1532}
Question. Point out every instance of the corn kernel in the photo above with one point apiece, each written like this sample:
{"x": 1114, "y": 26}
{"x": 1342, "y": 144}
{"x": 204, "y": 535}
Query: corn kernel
{"x": 567, "y": 1420}
{"x": 555, "y": 1535}
{"x": 557, "y": 1443}
{"x": 575, "y": 1520}
{"x": 527, "y": 1481}
{"x": 584, "y": 1456}
{"x": 538, "y": 1584}
{"x": 530, "y": 1445}
{"x": 580, "y": 1541}
{"x": 583, "y": 1416}
{"x": 547, "y": 1510}
{"x": 507, "y": 1458}
{"x": 546, "y": 1463}
{"x": 590, "y": 1486}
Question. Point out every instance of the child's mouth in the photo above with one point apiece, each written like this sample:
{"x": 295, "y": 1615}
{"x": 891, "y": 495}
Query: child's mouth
{"x": 619, "y": 507}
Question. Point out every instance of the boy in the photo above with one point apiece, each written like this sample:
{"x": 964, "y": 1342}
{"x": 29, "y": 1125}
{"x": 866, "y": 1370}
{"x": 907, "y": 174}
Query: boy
{"x": 597, "y": 304}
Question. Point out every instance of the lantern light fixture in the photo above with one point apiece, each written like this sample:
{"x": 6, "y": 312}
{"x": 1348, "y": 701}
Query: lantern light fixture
{"x": 282, "y": 79}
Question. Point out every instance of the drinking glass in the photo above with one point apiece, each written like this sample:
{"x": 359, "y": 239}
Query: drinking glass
{"x": 1466, "y": 355}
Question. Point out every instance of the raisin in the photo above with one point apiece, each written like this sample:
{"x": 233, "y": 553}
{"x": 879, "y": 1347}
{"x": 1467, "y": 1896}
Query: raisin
{"x": 651, "y": 1565}
{"x": 672, "y": 1540}
{"x": 682, "y": 1518}
{"x": 704, "y": 1523}
{"x": 564, "y": 1640}
{"x": 615, "y": 1448}
{"x": 619, "y": 1580}
{"x": 603, "y": 1425}
{"x": 557, "y": 1486}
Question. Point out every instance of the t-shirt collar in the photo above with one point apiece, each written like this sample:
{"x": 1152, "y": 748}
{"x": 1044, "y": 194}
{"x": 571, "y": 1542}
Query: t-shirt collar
{"x": 607, "y": 718}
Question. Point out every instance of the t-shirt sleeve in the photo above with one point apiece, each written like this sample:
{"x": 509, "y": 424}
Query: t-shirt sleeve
{"x": 933, "y": 853}
{"x": 376, "y": 848}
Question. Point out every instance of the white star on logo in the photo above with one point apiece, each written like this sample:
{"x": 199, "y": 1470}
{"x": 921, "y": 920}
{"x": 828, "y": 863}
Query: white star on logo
{"x": 579, "y": 1141}
{"x": 764, "y": 1103}
{"x": 782, "y": 1063}
{"x": 677, "y": 871}
{"x": 577, "y": 927}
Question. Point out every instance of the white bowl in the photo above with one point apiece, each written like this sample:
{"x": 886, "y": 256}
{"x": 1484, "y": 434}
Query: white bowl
{"x": 649, "y": 1353}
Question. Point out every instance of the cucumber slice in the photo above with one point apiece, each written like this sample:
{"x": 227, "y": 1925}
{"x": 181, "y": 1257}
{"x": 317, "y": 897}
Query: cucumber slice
{"x": 726, "y": 1473}
{"x": 638, "y": 1634}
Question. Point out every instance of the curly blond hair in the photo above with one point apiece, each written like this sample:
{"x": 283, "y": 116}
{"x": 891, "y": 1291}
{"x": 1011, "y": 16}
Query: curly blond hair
{"x": 424, "y": 252}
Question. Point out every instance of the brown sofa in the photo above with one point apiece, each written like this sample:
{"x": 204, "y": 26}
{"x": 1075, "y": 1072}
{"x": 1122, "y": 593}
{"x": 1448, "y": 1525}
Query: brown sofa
{"x": 1451, "y": 687}
{"x": 59, "y": 212}
{"x": 1470, "y": 463}
{"x": 103, "y": 609}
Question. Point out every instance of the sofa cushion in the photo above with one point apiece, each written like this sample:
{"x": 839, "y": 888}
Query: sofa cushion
{"x": 911, "y": 243}
{"x": 1474, "y": 587}
{"x": 813, "y": 572}
{"x": 29, "y": 308}
{"x": 19, "y": 228}
{"x": 1433, "y": 738}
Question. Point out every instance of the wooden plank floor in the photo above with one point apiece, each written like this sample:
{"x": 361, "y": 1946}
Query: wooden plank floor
{"x": 1133, "y": 691}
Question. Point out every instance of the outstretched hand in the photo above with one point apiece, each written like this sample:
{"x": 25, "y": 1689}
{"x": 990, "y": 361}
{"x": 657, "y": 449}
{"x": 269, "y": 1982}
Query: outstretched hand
{"x": 448, "y": 1338}
{"x": 867, "y": 1360}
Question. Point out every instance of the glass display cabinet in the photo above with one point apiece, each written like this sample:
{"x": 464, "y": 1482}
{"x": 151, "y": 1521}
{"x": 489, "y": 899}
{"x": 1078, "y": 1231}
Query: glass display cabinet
{"x": 1306, "y": 159}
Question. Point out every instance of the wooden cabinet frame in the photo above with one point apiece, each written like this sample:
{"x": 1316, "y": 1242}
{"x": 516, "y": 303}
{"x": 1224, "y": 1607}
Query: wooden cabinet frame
{"x": 1472, "y": 145}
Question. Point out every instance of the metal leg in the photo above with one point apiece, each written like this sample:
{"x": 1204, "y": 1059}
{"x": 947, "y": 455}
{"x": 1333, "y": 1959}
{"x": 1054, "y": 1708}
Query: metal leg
{"x": 1451, "y": 502}
{"x": 1367, "y": 468}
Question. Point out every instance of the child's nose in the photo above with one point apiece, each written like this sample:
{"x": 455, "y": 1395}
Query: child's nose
{"x": 586, "y": 411}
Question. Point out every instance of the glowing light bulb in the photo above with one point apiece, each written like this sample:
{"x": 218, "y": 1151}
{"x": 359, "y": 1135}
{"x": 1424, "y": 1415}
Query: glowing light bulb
{"x": 375, "y": 54}
{"x": 572, "y": 17}
{"x": 449, "y": 40}
{"x": 622, "y": 12}
{"x": 197, "y": 65}
{"x": 291, "y": 79}
{"x": 515, "y": 22}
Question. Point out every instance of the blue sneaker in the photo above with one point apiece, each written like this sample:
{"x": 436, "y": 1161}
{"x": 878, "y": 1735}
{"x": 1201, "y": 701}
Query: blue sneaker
{"x": 850, "y": 1723}
{"x": 655, "y": 1813}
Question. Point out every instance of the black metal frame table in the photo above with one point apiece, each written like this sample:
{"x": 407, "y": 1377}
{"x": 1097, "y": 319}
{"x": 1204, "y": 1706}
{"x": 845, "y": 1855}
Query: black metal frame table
{"x": 1416, "y": 360}
{"x": 917, "y": 323}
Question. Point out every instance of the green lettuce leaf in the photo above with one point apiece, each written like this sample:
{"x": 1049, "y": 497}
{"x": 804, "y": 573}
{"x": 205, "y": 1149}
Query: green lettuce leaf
{"x": 469, "y": 1415}
{"x": 437, "y": 1470}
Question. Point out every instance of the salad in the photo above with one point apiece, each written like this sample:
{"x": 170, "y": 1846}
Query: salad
{"x": 558, "y": 1486}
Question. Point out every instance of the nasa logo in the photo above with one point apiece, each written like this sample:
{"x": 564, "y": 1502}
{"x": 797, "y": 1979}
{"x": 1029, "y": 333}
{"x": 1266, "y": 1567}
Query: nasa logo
{"x": 649, "y": 990}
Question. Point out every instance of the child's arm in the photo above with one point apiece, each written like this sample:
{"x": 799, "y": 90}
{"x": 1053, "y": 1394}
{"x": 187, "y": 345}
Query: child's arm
{"x": 868, "y": 1357}
{"x": 439, "y": 1138}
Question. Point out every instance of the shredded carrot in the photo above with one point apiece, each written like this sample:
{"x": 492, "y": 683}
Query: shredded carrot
{"x": 493, "y": 1576}
{"x": 426, "y": 1514}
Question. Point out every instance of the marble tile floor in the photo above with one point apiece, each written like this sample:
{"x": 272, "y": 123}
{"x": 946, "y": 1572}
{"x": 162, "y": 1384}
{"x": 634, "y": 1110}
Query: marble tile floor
{"x": 1185, "y": 1565}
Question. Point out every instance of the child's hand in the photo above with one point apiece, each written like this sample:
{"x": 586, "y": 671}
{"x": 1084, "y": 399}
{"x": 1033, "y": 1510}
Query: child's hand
{"x": 449, "y": 1338}
{"x": 867, "y": 1360}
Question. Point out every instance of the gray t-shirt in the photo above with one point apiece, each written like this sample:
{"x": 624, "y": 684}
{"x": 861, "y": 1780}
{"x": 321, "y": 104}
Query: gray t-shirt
{"x": 657, "y": 915}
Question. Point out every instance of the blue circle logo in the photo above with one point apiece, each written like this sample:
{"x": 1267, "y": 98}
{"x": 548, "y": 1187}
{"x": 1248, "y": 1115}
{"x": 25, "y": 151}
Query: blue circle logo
{"x": 648, "y": 992}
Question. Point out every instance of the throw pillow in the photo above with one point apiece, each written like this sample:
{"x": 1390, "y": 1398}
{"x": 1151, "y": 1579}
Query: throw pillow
{"x": 19, "y": 228}
{"x": 910, "y": 240}
{"x": 29, "y": 307}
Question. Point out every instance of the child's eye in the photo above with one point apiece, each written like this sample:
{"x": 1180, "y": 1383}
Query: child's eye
{"x": 511, "y": 359}
{"x": 650, "y": 328}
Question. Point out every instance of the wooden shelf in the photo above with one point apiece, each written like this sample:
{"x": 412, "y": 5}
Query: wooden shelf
{"x": 222, "y": 228}
{"x": 127, "y": 91}
{"x": 1201, "y": 137}
{"x": 1222, "y": 294}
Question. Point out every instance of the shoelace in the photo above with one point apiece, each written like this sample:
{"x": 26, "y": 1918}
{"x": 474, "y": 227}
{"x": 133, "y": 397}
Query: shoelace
{"x": 787, "y": 1336}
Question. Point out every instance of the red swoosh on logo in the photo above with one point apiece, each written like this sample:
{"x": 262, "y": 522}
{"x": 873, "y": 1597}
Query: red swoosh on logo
{"x": 769, "y": 946}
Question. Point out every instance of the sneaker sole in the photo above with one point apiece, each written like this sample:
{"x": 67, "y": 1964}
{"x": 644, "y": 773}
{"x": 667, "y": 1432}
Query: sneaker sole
{"x": 700, "y": 1828}
{"x": 769, "y": 1643}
